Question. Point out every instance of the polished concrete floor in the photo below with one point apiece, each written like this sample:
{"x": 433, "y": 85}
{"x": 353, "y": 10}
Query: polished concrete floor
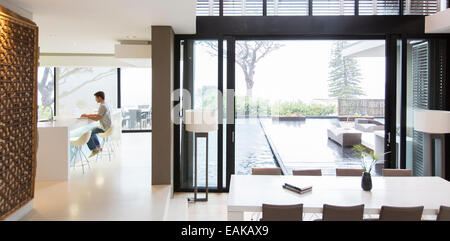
{"x": 116, "y": 190}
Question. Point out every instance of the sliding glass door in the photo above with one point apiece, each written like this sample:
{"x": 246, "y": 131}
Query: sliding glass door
{"x": 304, "y": 104}
{"x": 425, "y": 63}
{"x": 287, "y": 103}
{"x": 200, "y": 88}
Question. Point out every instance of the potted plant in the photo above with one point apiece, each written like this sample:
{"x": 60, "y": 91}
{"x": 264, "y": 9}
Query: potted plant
{"x": 368, "y": 161}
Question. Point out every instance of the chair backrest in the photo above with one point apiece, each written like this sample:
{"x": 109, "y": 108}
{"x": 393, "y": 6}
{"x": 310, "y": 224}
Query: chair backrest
{"x": 282, "y": 212}
{"x": 401, "y": 213}
{"x": 339, "y": 213}
{"x": 397, "y": 172}
{"x": 83, "y": 139}
{"x": 266, "y": 171}
{"x": 444, "y": 214}
{"x": 310, "y": 172}
{"x": 349, "y": 172}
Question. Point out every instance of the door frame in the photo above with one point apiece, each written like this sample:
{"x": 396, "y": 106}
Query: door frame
{"x": 390, "y": 95}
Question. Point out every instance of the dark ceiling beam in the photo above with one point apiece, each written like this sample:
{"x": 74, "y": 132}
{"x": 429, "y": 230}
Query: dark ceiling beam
{"x": 309, "y": 25}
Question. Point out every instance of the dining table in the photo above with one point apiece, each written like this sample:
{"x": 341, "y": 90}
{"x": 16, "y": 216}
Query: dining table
{"x": 247, "y": 193}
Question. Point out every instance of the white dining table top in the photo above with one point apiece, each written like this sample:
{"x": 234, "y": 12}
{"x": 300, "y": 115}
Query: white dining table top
{"x": 249, "y": 192}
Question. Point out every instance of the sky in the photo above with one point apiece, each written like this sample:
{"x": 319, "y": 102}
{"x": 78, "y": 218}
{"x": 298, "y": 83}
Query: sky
{"x": 297, "y": 71}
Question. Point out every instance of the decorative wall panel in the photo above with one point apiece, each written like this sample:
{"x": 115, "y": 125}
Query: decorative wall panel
{"x": 18, "y": 110}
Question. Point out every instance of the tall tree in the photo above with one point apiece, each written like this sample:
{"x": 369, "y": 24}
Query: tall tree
{"x": 344, "y": 76}
{"x": 248, "y": 54}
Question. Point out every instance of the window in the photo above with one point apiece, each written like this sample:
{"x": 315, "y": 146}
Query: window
{"x": 46, "y": 92}
{"x": 76, "y": 87}
{"x": 136, "y": 89}
{"x": 319, "y": 7}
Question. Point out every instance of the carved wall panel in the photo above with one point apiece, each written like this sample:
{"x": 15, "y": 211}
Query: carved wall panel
{"x": 18, "y": 110}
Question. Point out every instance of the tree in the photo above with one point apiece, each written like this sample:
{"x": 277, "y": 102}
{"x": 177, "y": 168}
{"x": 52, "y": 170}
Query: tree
{"x": 344, "y": 76}
{"x": 248, "y": 54}
{"x": 45, "y": 87}
{"x": 64, "y": 73}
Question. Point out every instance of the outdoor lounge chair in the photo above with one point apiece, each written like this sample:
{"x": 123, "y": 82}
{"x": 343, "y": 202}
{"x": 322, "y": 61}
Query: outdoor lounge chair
{"x": 367, "y": 125}
{"x": 344, "y": 137}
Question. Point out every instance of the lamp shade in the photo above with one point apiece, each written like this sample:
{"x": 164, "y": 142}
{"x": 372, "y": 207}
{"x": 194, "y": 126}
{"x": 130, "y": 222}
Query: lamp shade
{"x": 200, "y": 120}
{"x": 432, "y": 121}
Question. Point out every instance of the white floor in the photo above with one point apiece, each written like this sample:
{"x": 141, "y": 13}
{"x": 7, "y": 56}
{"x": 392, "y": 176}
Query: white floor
{"x": 121, "y": 190}
{"x": 116, "y": 190}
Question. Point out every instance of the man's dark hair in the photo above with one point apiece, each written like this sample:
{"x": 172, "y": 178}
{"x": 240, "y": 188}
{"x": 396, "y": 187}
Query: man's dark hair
{"x": 100, "y": 94}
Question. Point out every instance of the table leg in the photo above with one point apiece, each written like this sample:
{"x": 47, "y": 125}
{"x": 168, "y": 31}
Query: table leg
{"x": 235, "y": 216}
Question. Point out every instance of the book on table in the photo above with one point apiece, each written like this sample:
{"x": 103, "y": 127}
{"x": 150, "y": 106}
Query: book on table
{"x": 301, "y": 190}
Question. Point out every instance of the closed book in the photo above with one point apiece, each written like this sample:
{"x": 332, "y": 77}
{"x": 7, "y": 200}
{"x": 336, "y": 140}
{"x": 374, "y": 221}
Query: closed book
{"x": 297, "y": 189}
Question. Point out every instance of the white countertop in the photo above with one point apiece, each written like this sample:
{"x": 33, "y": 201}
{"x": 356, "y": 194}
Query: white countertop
{"x": 71, "y": 123}
{"x": 248, "y": 193}
{"x": 76, "y": 126}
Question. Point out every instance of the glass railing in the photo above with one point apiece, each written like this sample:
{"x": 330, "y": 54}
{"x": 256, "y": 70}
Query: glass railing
{"x": 316, "y": 7}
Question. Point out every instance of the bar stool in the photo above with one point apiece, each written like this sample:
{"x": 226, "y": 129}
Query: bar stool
{"x": 78, "y": 144}
{"x": 106, "y": 142}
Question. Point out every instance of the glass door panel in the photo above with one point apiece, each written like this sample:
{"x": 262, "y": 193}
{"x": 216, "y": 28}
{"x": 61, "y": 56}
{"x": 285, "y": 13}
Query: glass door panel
{"x": 293, "y": 98}
{"x": 199, "y": 71}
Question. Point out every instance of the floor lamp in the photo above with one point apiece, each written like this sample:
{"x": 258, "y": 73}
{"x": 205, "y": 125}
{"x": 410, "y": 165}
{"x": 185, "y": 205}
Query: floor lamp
{"x": 435, "y": 124}
{"x": 200, "y": 122}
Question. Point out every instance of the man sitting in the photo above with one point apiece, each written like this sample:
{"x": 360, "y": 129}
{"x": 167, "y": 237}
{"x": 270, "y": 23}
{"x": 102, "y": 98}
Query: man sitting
{"x": 104, "y": 116}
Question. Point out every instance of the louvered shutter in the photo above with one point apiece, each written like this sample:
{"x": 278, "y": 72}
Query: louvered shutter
{"x": 421, "y": 90}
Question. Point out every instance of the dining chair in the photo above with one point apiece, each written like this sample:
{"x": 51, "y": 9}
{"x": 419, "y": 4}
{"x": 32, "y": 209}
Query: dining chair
{"x": 397, "y": 172}
{"x": 389, "y": 213}
{"x": 349, "y": 172}
{"x": 78, "y": 143}
{"x": 444, "y": 214}
{"x": 106, "y": 144}
{"x": 266, "y": 171}
{"x": 307, "y": 172}
{"x": 282, "y": 212}
{"x": 342, "y": 213}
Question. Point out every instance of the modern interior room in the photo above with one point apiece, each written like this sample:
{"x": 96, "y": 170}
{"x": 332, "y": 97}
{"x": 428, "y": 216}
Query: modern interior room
{"x": 225, "y": 110}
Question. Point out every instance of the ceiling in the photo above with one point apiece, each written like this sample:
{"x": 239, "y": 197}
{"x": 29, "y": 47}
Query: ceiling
{"x": 95, "y": 26}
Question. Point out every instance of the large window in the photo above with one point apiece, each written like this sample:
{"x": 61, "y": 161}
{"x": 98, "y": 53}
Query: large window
{"x": 46, "y": 92}
{"x": 76, "y": 87}
{"x": 318, "y": 7}
{"x": 136, "y": 98}
{"x": 295, "y": 100}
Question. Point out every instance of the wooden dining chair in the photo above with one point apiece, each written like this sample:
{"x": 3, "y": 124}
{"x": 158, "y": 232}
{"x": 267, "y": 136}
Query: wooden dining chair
{"x": 342, "y": 213}
{"x": 309, "y": 172}
{"x": 397, "y": 172}
{"x": 266, "y": 171}
{"x": 389, "y": 213}
{"x": 282, "y": 212}
{"x": 349, "y": 172}
{"x": 444, "y": 214}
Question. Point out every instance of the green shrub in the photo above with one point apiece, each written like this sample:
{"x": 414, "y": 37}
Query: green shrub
{"x": 262, "y": 107}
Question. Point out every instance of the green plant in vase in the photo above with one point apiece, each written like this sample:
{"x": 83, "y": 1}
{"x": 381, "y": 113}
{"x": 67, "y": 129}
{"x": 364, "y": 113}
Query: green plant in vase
{"x": 367, "y": 165}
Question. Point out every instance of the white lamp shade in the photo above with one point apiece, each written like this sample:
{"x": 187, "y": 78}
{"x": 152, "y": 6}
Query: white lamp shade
{"x": 432, "y": 121}
{"x": 200, "y": 120}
